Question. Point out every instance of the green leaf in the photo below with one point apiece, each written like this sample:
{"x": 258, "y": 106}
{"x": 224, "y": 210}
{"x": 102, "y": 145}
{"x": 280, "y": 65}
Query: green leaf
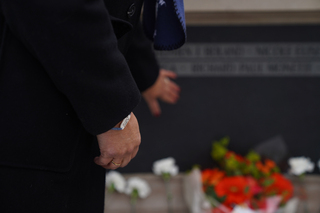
{"x": 301, "y": 177}
{"x": 134, "y": 196}
{"x": 218, "y": 152}
{"x": 111, "y": 188}
{"x": 285, "y": 193}
{"x": 276, "y": 169}
{"x": 253, "y": 156}
{"x": 237, "y": 172}
{"x": 246, "y": 189}
{"x": 225, "y": 141}
{"x": 219, "y": 148}
{"x": 231, "y": 164}
{"x": 166, "y": 176}
{"x": 211, "y": 193}
{"x": 268, "y": 182}
{"x": 222, "y": 199}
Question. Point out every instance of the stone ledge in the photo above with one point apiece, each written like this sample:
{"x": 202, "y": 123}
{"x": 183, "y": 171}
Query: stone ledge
{"x": 250, "y": 5}
{"x": 156, "y": 202}
{"x": 253, "y": 18}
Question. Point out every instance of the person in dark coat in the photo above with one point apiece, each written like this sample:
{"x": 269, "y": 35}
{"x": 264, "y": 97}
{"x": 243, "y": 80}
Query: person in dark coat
{"x": 64, "y": 85}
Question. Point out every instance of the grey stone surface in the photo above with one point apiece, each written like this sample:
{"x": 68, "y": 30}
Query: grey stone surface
{"x": 156, "y": 202}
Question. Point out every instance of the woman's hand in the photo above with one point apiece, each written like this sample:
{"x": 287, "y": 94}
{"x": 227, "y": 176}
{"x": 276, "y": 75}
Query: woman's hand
{"x": 163, "y": 89}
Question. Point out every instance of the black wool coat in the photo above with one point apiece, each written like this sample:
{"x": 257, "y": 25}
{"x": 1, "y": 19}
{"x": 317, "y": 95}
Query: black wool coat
{"x": 64, "y": 79}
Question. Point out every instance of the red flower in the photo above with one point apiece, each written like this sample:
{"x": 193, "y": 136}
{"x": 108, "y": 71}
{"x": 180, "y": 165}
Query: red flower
{"x": 212, "y": 176}
{"x": 216, "y": 210}
{"x": 254, "y": 186}
{"x": 280, "y": 186}
{"x": 258, "y": 203}
{"x": 236, "y": 190}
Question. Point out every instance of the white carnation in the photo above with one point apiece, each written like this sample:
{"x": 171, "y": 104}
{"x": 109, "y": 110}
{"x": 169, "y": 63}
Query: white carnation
{"x": 166, "y": 165}
{"x": 117, "y": 180}
{"x": 300, "y": 165}
{"x": 140, "y": 185}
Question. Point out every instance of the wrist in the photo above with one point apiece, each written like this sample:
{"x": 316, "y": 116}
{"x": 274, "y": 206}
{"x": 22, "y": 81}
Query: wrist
{"x": 121, "y": 125}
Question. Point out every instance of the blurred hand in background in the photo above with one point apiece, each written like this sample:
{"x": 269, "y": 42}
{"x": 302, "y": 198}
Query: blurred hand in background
{"x": 163, "y": 89}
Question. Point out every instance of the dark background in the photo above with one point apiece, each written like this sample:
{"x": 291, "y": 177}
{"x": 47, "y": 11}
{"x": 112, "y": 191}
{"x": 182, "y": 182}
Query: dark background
{"x": 249, "y": 110}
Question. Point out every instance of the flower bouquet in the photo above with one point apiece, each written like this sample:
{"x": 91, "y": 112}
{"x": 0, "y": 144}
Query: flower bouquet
{"x": 243, "y": 183}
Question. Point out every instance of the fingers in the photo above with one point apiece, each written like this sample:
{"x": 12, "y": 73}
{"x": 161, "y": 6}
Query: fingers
{"x": 111, "y": 163}
{"x": 114, "y": 164}
{"x": 168, "y": 73}
{"x": 164, "y": 89}
{"x": 103, "y": 161}
{"x": 117, "y": 147}
{"x": 174, "y": 87}
{"x": 170, "y": 97}
{"x": 135, "y": 153}
{"x": 117, "y": 162}
{"x": 154, "y": 107}
{"x": 125, "y": 161}
{"x": 171, "y": 93}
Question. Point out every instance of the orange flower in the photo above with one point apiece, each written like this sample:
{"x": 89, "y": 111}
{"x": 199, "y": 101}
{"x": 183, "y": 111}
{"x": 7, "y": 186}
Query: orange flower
{"x": 281, "y": 186}
{"x": 212, "y": 176}
{"x": 264, "y": 169}
{"x": 269, "y": 163}
{"x": 236, "y": 190}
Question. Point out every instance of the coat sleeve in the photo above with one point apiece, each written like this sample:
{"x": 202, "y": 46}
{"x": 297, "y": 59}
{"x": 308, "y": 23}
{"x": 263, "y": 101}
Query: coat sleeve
{"x": 75, "y": 43}
{"x": 142, "y": 60}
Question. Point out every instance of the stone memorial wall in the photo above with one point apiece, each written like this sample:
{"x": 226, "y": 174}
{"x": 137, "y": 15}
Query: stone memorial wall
{"x": 248, "y": 71}
{"x": 244, "y": 59}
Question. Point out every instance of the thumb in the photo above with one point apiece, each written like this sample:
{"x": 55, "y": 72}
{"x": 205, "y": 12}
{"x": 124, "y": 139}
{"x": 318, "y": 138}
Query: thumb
{"x": 97, "y": 161}
{"x": 154, "y": 107}
{"x": 102, "y": 161}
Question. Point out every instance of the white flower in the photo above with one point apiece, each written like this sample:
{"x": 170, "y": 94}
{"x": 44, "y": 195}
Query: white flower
{"x": 242, "y": 209}
{"x": 117, "y": 180}
{"x": 136, "y": 183}
{"x": 165, "y": 166}
{"x": 300, "y": 165}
